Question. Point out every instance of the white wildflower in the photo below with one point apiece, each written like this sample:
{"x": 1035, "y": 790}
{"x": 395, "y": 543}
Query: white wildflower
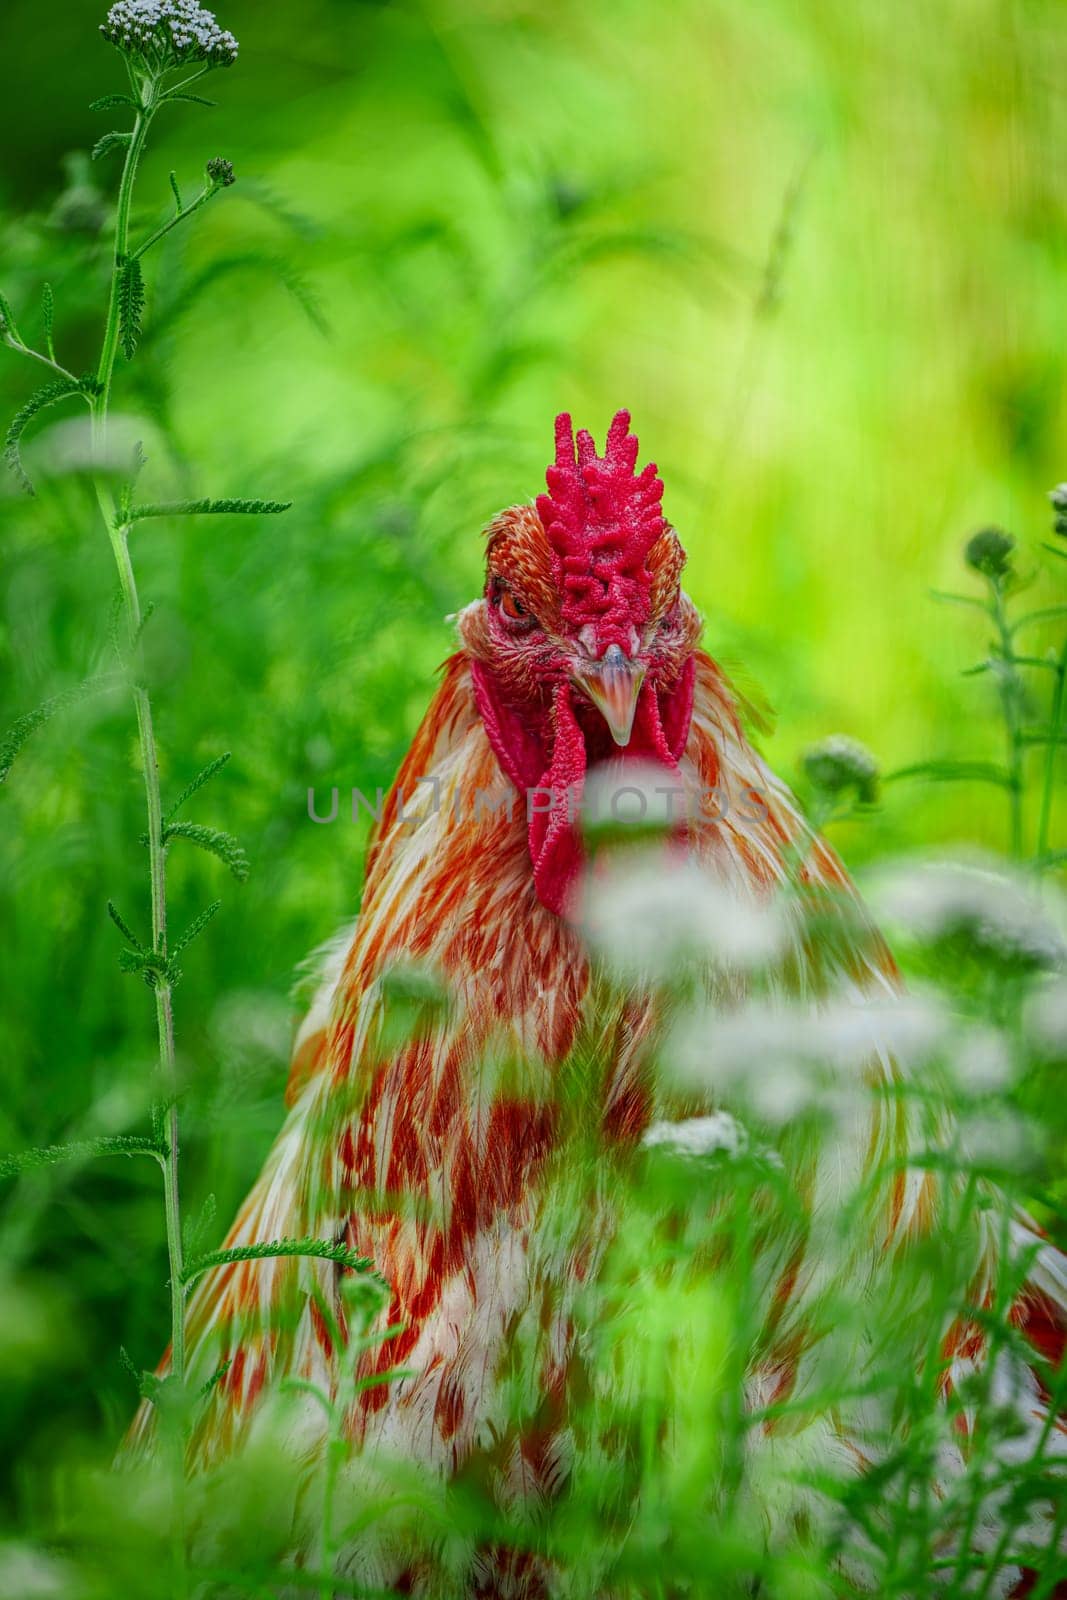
{"x": 1046, "y": 1020}
{"x": 785, "y": 1056}
{"x": 1001, "y": 1141}
{"x": 33, "y": 1575}
{"x": 632, "y": 796}
{"x": 647, "y": 920}
{"x": 699, "y": 1136}
{"x": 169, "y": 32}
{"x": 995, "y": 912}
{"x": 981, "y": 1061}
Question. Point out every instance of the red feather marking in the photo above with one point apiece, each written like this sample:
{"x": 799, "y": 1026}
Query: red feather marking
{"x": 1042, "y": 1325}
{"x": 449, "y": 1407}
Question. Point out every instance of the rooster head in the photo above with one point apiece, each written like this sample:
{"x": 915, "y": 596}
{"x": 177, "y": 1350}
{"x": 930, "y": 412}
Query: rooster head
{"x": 582, "y": 648}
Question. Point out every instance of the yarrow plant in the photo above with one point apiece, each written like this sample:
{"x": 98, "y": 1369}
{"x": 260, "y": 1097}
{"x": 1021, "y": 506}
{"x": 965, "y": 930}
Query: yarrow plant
{"x": 1017, "y": 671}
{"x": 168, "y": 33}
{"x": 157, "y": 40}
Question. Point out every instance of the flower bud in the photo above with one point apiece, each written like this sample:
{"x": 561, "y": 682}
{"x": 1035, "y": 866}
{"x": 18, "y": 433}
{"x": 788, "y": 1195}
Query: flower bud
{"x": 220, "y": 172}
{"x": 989, "y": 552}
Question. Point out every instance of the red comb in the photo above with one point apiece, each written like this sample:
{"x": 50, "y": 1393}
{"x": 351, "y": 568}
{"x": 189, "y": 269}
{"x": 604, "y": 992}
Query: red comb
{"x": 602, "y": 519}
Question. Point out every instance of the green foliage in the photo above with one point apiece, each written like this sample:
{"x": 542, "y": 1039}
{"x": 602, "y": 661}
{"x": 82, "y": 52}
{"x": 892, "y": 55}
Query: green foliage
{"x": 82, "y": 1150}
{"x": 273, "y": 1249}
{"x": 51, "y": 394}
{"x": 196, "y": 927}
{"x": 131, "y": 306}
{"x": 111, "y": 102}
{"x": 48, "y": 312}
{"x": 21, "y": 730}
{"x": 7, "y": 321}
{"x": 108, "y": 143}
{"x": 214, "y": 508}
{"x": 203, "y": 776}
{"x": 214, "y": 841}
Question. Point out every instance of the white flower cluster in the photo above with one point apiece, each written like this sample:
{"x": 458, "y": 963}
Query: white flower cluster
{"x": 651, "y": 919}
{"x": 997, "y": 912}
{"x": 169, "y": 32}
{"x": 699, "y": 1136}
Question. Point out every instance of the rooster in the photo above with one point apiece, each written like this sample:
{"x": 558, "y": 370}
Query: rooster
{"x": 582, "y": 656}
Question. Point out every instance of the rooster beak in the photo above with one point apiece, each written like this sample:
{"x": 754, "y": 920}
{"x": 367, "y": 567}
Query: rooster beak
{"x": 613, "y": 684}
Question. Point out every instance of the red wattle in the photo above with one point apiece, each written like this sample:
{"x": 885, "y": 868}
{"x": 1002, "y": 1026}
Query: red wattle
{"x": 555, "y": 761}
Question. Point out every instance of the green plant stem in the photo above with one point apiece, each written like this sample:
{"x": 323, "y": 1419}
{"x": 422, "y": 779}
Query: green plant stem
{"x": 35, "y": 355}
{"x": 1048, "y": 784}
{"x": 172, "y": 222}
{"x": 105, "y": 369}
{"x": 119, "y": 536}
{"x": 1010, "y": 707}
{"x": 118, "y": 533}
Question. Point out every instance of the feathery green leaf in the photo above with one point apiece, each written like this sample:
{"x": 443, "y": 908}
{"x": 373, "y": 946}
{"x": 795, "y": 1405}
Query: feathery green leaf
{"x": 131, "y": 306}
{"x": 202, "y": 777}
{"x": 176, "y": 191}
{"x": 107, "y": 102}
{"x": 117, "y": 1144}
{"x": 196, "y": 927}
{"x": 21, "y": 730}
{"x": 50, "y": 395}
{"x": 215, "y": 1379}
{"x": 211, "y": 508}
{"x": 123, "y": 926}
{"x": 217, "y": 843}
{"x": 7, "y": 321}
{"x": 108, "y": 142}
{"x": 317, "y": 1249}
{"x": 48, "y": 312}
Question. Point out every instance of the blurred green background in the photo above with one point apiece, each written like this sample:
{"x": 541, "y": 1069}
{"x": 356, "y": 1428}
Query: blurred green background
{"x": 818, "y": 249}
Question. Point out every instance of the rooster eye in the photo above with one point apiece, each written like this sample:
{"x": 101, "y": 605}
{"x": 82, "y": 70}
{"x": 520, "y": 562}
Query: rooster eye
{"x": 513, "y": 609}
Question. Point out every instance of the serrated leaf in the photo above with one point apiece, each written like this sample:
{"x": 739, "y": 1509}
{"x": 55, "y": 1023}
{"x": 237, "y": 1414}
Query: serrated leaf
{"x": 215, "y": 1379}
{"x": 274, "y": 1249}
{"x": 131, "y": 306}
{"x": 107, "y": 102}
{"x": 215, "y": 841}
{"x": 208, "y": 508}
{"x": 176, "y": 191}
{"x": 152, "y": 967}
{"x": 50, "y": 395}
{"x": 193, "y": 99}
{"x": 7, "y": 321}
{"x": 196, "y": 927}
{"x": 118, "y": 1144}
{"x": 202, "y": 777}
{"x": 127, "y": 1363}
{"x": 108, "y": 142}
{"x": 123, "y": 926}
{"x": 48, "y": 312}
{"x": 21, "y": 730}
